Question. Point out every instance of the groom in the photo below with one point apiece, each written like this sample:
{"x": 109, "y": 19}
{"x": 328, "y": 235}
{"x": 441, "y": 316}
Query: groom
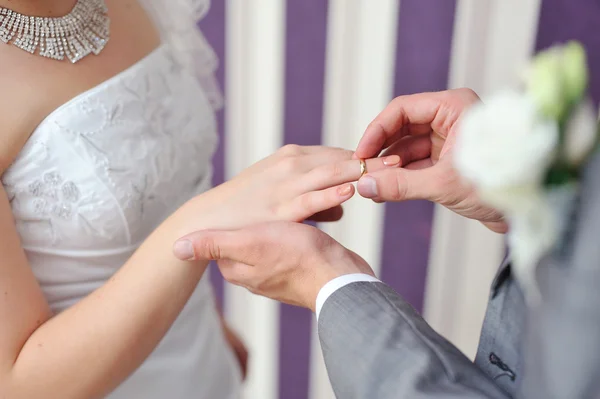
{"x": 375, "y": 345}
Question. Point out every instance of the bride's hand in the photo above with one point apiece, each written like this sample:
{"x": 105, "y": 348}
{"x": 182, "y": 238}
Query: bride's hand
{"x": 293, "y": 184}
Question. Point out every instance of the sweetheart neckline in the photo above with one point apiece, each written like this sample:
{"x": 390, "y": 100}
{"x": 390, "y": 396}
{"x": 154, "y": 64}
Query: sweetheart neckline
{"x": 100, "y": 86}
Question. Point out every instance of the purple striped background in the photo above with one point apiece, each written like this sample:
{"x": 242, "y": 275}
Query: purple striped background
{"x": 562, "y": 20}
{"x": 213, "y": 26}
{"x": 306, "y": 29}
{"x": 422, "y": 60}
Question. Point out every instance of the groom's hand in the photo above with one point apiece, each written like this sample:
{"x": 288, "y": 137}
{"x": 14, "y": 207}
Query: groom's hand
{"x": 288, "y": 262}
{"x": 421, "y": 129}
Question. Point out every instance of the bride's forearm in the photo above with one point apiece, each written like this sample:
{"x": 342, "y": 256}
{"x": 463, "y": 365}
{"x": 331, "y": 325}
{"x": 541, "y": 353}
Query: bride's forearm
{"x": 87, "y": 350}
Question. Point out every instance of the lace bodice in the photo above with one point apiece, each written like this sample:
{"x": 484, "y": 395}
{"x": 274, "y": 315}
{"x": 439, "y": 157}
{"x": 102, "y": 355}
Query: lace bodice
{"x": 101, "y": 172}
{"x": 105, "y": 169}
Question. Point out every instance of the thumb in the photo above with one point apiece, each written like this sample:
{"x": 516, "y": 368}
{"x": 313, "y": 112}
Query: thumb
{"x": 216, "y": 245}
{"x": 400, "y": 184}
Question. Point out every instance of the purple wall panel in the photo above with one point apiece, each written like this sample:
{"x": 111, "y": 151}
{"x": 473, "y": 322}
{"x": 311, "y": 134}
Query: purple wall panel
{"x": 213, "y": 26}
{"x": 306, "y": 26}
{"x": 422, "y": 60}
{"x": 562, "y": 20}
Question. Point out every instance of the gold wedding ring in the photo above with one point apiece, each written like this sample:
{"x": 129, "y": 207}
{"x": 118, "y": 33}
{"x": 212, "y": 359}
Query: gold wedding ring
{"x": 363, "y": 167}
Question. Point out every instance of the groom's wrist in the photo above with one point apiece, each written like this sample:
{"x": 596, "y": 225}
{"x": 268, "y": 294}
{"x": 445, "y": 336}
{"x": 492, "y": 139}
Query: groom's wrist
{"x": 327, "y": 290}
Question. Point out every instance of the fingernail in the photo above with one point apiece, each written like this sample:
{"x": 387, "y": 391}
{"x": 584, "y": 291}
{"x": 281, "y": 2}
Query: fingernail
{"x": 184, "y": 250}
{"x": 367, "y": 187}
{"x": 392, "y": 160}
{"x": 345, "y": 190}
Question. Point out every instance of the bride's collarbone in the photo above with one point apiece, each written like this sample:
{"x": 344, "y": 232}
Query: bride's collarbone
{"x": 33, "y": 87}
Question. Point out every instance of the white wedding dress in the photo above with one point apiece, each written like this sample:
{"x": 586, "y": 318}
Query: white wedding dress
{"x": 104, "y": 170}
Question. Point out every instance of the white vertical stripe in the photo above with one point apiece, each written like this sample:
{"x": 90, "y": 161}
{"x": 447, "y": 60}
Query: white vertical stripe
{"x": 361, "y": 53}
{"x": 492, "y": 42}
{"x": 254, "y": 130}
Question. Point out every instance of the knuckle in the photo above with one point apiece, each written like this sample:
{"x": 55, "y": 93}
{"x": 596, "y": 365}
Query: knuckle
{"x": 374, "y": 125}
{"x": 400, "y": 191}
{"x": 307, "y": 203}
{"x": 397, "y": 100}
{"x": 276, "y": 212}
{"x": 290, "y": 150}
{"x": 467, "y": 95}
{"x": 452, "y": 103}
{"x": 334, "y": 170}
{"x": 294, "y": 212}
{"x": 210, "y": 247}
{"x": 344, "y": 153}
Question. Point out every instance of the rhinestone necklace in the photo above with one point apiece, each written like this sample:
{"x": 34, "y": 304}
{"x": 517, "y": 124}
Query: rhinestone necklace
{"x": 84, "y": 31}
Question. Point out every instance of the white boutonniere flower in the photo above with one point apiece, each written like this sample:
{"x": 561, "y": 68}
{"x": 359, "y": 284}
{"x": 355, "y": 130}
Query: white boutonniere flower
{"x": 524, "y": 150}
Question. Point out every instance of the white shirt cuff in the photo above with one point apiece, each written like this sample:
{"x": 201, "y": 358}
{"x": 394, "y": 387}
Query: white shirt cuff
{"x": 337, "y": 283}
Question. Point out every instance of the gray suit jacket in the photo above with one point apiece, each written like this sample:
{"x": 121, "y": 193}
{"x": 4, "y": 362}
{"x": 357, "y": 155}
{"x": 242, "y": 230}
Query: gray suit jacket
{"x": 376, "y": 346}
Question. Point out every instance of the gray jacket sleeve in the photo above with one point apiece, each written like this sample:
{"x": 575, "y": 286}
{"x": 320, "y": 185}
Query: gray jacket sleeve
{"x": 377, "y": 347}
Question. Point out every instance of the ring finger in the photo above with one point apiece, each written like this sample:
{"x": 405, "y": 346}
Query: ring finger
{"x": 335, "y": 173}
{"x": 313, "y": 202}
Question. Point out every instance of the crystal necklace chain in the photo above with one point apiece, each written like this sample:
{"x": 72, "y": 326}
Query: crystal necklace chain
{"x": 84, "y": 31}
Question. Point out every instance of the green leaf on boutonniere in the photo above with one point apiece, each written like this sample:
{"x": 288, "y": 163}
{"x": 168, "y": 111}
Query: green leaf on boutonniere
{"x": 559, "y": 175}
{"x": 557, "y": 82}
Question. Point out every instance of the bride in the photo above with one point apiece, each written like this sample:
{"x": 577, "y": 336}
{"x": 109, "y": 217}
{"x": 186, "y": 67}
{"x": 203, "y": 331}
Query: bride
{"x": 107, "y": 131}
